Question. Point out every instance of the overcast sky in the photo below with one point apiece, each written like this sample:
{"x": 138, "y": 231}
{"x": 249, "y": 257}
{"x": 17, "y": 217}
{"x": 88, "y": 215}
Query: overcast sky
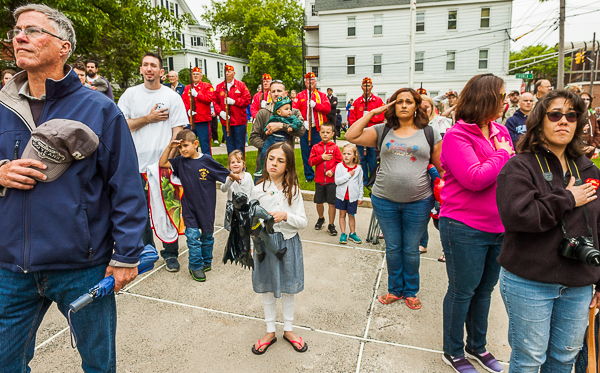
{"x": 583, "y": 18}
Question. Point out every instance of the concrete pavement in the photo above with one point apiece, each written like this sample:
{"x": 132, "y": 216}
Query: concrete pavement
{"x": 169, "y": 323}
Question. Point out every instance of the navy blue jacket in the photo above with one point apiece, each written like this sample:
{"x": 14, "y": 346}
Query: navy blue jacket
{"x": 516, "y": 126}
{"x": 92, "y": 213}
{"x": 179, "y": 88}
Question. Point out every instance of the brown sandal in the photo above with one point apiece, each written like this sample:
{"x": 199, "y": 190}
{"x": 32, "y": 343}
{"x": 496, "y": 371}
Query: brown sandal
{"x": 413, "y": 303}
{"x": 389, "y": 298}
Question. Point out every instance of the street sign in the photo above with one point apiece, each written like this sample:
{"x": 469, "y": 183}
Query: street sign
{"x": 524, "y": 76}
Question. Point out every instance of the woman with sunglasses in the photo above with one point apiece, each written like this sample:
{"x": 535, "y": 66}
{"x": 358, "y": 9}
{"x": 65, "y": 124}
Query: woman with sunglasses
{"x": 591, "y": 132}
{"x": 546, "y": 195}
{"x": 473, "y": 152}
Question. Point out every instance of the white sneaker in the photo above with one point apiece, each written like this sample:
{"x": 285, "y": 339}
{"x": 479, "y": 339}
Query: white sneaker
{"x": 216, "y": 142}
{"x": 223, "y": 145}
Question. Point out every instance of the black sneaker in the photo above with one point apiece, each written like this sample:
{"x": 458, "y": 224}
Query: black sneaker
{"x": 319, "y": 224}
{"x": 331, "y": 230}
{"x": 172, "y": 264}
{"x": 206, "y": 268}
{"x": 198, "y": 275}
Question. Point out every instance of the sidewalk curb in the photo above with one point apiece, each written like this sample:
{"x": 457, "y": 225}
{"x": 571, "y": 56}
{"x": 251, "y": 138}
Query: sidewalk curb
{"x": 309, "y": 195}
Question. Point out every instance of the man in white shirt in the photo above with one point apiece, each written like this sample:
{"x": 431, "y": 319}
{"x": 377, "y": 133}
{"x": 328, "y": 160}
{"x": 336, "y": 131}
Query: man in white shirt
{"x": 155, "y": 114}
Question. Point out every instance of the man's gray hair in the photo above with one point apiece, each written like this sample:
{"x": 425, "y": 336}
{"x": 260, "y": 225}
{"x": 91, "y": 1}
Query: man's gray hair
{"x": 63, "y": 26}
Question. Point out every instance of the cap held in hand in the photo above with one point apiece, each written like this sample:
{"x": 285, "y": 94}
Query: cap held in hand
{"x": 59, "y": 142}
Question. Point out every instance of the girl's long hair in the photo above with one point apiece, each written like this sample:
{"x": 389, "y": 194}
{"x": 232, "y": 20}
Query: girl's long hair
{"x": 290, "y": 183}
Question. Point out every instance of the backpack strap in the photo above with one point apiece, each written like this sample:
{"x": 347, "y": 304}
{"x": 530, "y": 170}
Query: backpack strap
{"x": 386, "y": 129}
{"x": 429, "y": 136}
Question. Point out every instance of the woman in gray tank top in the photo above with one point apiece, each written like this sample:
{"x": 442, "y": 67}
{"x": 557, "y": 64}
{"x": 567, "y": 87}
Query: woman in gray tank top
{"x": 402, "y": 194}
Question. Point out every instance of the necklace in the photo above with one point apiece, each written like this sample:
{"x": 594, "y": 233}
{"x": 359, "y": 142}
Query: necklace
{"x": 277, "y": 187}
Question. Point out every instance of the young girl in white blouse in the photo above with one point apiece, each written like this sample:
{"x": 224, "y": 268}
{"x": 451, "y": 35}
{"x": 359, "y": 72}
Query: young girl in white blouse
{"x": 349, "y": 191}
{"x": 237, "y": 165}
{"x": 279, "y": 193}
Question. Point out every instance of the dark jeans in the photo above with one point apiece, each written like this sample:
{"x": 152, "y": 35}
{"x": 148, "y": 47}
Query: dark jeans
{"x": 367, "y": 162}
{"x": 309, "y": 173}
{"x": 202, "y": 132}
{"x": 170, "y": 250}
{"x": 236, "y": 138}
{"x": 472, "y": 274}
{"x": 424, "y": 239}
{"x": 402, "y": 225}
{"x": 25, "y": 299}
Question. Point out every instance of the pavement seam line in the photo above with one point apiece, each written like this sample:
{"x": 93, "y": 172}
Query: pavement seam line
{"x": 370, "y": 312}
{"x": 51, "y": 338}
{"x": 342, "y": 246}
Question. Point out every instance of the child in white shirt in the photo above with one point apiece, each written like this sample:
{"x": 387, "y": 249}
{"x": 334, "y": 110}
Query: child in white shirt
{"x": 349, "y": 191}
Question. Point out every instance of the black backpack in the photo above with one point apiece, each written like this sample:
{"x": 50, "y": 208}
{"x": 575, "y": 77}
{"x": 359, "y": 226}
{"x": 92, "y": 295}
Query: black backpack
{"x": 428, "y": 135}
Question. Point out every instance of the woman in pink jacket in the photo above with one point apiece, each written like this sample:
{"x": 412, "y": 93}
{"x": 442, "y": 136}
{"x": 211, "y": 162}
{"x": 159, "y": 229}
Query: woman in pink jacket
{"x": 473, "y": 152}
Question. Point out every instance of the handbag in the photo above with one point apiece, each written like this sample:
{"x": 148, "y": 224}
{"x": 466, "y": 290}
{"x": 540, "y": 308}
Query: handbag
{"x": 588, "y": 359}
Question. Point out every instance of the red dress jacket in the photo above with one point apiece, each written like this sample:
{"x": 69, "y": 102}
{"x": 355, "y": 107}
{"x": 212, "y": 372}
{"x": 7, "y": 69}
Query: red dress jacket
{"x": 321, "y": 109}
{"x": 206, "y": 95}
{"x": 357, "y": 110}
{"x": 237, "y": 112}
{"x": 255, "y": 107}
{"x": 321, "y": 166}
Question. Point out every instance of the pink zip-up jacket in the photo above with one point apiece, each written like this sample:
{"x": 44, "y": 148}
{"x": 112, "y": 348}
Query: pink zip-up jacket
{"x": 472, "y": 165}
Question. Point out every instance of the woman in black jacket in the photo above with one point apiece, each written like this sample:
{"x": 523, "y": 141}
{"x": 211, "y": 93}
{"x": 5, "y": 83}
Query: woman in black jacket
{"x": 546, "y": 195}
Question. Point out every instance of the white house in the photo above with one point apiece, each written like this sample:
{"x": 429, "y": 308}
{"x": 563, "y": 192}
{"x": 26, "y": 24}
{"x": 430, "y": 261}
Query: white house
{"x": 194, "y": 49}
{"x": 348, "y": 40}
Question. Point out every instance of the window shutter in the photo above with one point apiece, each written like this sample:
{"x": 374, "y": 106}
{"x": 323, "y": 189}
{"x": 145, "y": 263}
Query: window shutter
{"x": 176, "y": 10}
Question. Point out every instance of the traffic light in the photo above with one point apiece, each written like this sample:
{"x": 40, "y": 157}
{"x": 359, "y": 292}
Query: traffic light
{"x": 580, "y": 57}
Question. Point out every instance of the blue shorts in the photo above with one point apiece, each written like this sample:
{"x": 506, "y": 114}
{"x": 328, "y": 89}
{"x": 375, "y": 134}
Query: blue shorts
{"x": 346, "y": 205}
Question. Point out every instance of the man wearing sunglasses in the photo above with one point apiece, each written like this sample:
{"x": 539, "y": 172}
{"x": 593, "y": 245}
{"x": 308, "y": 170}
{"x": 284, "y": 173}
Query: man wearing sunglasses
{"x": 62, "y": 234}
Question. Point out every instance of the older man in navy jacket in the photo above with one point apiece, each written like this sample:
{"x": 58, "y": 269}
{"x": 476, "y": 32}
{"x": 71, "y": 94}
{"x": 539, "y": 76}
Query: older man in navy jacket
{"x": 60, "y": 238}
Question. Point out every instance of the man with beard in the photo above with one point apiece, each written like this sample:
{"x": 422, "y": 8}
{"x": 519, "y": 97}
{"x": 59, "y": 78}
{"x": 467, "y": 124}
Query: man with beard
{"x": 91, "y": 67}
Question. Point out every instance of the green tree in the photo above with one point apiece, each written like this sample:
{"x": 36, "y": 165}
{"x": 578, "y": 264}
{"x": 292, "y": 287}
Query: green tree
{"x": 116, "y": 33}
{"x": 266, "y": 32}
{"x": 547, "y": 69}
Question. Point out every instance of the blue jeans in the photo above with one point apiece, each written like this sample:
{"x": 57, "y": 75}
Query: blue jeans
{"x": 309, "y": 173}
{"x": 236, "y": 138}
{"x": 24, "y": 300}
{"x": 200, "y": 246}
{"x": 202, "y": 132}
{"x": 547, "y": 323}
{"x": 424, "y": 239}
{"x": 402, "y": 225}
{"x": 367, "y": 162}
{"x": 472, "y": 274}
{"x": 170, "y": 250}
{"x": 271, "y": 140}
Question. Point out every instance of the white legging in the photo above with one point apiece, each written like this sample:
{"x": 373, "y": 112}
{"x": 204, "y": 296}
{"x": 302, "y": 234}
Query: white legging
{"x": 287, "y": 303}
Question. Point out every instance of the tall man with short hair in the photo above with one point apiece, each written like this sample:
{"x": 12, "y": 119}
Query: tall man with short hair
{"x": 362, "y": 106}
{"x": 316, "y": 106}
{"x": 237, "y": 96}
{"x": 540, "y": 88}
{"x": 259, "y": 102}
{"x": 516, "y": 123}
{"x": 174, "y": 82}
{"x": 91, "y": 67}
{"x": 203, "y": 95}
{"x": 154, "y": 114}
{"x": 62, "y": 233}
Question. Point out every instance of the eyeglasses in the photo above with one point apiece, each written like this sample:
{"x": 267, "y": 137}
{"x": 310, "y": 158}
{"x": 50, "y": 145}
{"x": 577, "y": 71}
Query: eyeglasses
{"x": 31, "y": 31}
{"x": 555, "y": 116}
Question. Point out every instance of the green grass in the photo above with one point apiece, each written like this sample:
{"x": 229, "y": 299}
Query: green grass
{"x": 596, "y": 162}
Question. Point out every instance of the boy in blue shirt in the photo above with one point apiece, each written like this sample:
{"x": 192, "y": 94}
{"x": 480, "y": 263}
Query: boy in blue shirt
{"x": 198, "y": 174}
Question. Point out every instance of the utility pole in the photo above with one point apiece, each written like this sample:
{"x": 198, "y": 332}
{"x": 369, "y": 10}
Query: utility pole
{"x": 411, "y": 48}
{"x": 560, "y": 81}
{"x": 593, "y": 68}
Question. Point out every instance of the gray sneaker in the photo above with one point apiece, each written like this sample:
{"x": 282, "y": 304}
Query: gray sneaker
{"x": 198, "y": 275}
{"x": 172, "y": 264}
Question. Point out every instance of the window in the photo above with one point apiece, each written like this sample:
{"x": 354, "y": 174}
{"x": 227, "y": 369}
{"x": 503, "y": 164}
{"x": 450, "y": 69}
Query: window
{"x": 172, "y": 7}
{"x": 198, "y": 63}
{"x": 352, "y": 26}
{"x": 170, "y": 64}
{"x": 377, "y": 64}
{"x": 219, "y": 70}
{"x": 313, "y": 10}
{"x": 342, "y": 102}
{"x": 452, "y": 19}
{"x": 182, "y": 40}
{"x": 421, "y": 22}
{"x": 350, "y": 65}
{"x": 419, "y": 61}
{"x": 315, "y": 70}
{"x": 483, "y": 58}
{"x": 378, "y": 24}
{"x": 485, "y": 18}
{"x": 450, "y": 61}
{"x": 381, "y": 96}
{"x": 244, "y": 68}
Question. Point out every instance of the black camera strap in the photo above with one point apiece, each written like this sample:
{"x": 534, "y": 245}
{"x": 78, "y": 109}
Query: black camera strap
{"x": 548, "y": 176}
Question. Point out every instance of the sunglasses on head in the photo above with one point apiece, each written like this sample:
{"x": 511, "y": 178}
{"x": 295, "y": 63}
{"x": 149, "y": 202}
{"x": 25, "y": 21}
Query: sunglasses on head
{"x": 555, "y": 116}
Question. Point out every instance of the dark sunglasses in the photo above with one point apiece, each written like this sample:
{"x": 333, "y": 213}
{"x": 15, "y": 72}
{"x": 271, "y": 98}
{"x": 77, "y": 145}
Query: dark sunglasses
{"x": 555, "y": 116}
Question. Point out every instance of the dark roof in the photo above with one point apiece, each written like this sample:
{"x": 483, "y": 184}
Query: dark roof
{"x": 351, "y": 4}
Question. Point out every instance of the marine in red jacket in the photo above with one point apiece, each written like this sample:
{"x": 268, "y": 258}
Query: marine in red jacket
{"x": 322, "y": 166}
{"x": 203, "y": 94}
{"x": 358, "y": 108}
{"x": 237, "y": 97}
{"x": 258, "y": 102}
{"x": 318, "y": 105}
